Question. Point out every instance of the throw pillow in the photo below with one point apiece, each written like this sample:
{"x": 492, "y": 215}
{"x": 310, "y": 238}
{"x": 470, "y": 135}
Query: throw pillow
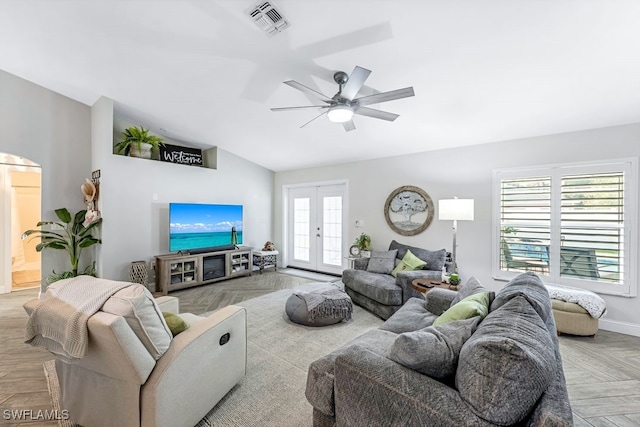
{"x": 507, "y": 364}
{"x": 176, "y": 323}
{"x": 138, "y": 307}
{"x": 470, "y": 287}
{"x": 530, "y": 287}
{"x": 435, "y": 260}
{"x": 471, "y": 306}
{"x": 409, "y": 262}
{"x": 434, "y": 350}
{"x": 381, "y": 261}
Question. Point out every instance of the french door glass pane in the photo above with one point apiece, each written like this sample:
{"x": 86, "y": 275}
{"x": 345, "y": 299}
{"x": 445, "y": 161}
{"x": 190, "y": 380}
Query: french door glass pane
{"x": 332, "y": 226}
{"x": 301, "y": 217}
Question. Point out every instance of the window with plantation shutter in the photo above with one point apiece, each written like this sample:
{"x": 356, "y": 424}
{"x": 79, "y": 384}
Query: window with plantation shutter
{"x": 572, "y": 224}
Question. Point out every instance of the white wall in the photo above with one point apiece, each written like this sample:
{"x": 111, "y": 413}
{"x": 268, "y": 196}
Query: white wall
{"x": 135, "y": 196}
{"x": 466, "y": 172}
{"x": 69, "y": 140}
{"x": 55, "y": 132}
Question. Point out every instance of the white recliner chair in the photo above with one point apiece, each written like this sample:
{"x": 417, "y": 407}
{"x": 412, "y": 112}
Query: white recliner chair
{"x": 134, "y": 375}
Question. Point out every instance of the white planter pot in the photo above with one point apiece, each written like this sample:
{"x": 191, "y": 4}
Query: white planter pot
{"x": 144, "y": 152}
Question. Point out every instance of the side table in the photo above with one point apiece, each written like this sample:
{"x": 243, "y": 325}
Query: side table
{"x": 425, "y": 285}
{"x": 265, "y": 259}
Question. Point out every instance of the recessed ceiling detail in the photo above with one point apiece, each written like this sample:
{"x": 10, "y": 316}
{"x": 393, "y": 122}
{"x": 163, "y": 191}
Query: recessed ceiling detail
{"x": 268, "y": 18}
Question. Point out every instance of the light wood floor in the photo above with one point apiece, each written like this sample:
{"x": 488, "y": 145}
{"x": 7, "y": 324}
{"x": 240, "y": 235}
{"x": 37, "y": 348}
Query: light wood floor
{"x": 603, "y": 373}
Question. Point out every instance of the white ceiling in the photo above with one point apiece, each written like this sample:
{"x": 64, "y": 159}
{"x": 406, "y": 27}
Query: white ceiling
{"x": 204, "y": 73}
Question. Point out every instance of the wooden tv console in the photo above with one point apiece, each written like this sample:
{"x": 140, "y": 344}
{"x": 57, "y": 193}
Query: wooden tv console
{"x": 178, "y": 271}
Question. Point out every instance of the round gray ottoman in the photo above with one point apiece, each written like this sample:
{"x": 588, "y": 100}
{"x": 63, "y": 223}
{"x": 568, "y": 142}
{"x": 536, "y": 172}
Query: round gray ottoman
{"x": 330, "y": 305}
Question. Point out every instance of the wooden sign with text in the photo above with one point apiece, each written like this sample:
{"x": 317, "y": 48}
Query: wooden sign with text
{"x": 181, "y": 155}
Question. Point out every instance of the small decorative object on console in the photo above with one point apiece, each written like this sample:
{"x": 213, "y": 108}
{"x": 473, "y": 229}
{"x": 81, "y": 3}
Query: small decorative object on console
{"x": 354, "y": 251}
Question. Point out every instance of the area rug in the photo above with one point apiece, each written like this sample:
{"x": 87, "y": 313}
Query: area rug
{"x": 278, "y": 356}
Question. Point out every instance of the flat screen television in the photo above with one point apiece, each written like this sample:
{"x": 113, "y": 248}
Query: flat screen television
{"x": 195, "y": 226}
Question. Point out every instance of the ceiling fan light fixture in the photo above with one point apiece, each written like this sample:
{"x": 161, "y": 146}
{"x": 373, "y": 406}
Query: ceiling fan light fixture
{"x": 340, "y": 113}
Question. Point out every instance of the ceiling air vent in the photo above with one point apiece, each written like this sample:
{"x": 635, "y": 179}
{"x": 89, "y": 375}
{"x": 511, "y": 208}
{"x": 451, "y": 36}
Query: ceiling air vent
{"x": 268, "y": 18}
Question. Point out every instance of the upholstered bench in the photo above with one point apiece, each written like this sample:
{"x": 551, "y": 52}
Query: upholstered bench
{"x": 319, "y": 304}
{"x": 572, "y": 319}
{"x": 575, "y": 311}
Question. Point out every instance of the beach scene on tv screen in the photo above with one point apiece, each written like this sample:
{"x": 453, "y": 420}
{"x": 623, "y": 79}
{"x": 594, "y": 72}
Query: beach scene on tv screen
{"x": 196, "y": 226}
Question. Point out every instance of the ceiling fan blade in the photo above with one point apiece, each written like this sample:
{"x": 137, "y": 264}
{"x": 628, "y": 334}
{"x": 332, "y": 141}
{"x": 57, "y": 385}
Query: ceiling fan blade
{"x": 349, "y": 126}
{"x": 294, "y": 84}
{"x": 299, "y": 108}
{"x": 356, "y": 79}
{"x": 386, "y": 96}
{"x": 376, "y": 114}
{"x": 316, "y": 117}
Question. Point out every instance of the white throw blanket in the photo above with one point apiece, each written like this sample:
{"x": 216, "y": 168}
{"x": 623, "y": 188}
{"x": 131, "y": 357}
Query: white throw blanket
{"x": 588, "y": 300}
{"x": 326, "y": 301}
{"x": 59, "y": 322}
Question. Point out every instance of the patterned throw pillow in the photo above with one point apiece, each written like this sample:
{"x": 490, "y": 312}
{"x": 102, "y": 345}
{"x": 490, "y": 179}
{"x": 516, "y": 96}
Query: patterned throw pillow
{"x": 409, "y": 262}
{"x": 382, "y": 261}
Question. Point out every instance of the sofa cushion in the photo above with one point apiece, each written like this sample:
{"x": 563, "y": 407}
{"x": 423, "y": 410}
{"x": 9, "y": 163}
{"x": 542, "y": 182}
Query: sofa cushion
{"x": 413, "y": 315}
{"x": 507, "y": 364}
{"x": 320, "y": 376}
{"x": 381, "y": 288}
{"x": 529, "y": 286}
{"x": 434, "y": 259}
{"x": 382, "y": 261}
{"x": 472, "y": 306}
{"x": 137, "y": 306}
{"x": 434, "y": 350}
{"x": 409, "y": 262}
{"x": 470, "y": 287}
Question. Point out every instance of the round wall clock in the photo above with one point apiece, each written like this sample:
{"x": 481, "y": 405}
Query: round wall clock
{"x": 354, "y": 250}
{"x": 408, "y": 210}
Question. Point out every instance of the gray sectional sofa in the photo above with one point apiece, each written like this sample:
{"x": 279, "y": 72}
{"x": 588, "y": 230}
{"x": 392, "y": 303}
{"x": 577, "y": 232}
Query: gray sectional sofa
{"x": 371, "y": 285}
{"x": 503, "y": 369}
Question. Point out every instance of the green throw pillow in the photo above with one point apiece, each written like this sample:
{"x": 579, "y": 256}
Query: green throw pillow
{"x": 409, "y": 262}
{"x": 176, "y": 323}
{"x": 471, "y": 306}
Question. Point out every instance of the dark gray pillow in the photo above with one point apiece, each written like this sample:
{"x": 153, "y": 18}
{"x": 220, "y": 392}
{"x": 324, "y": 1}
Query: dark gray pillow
{"x": 507, "y": 364}
{"x": 434, "y": 350}
{"x": 434, "y": 259}
{"x": 470, "y": 287}
{"x": 530, "y": 287}
{"x": 382, "y": 261}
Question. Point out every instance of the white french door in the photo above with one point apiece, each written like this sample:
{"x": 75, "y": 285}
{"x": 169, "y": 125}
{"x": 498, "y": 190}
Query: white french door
{"x": 316, "y": 228}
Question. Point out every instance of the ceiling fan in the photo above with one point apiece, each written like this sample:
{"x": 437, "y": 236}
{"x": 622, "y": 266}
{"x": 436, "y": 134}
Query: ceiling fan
{"x": 343, "y": 105}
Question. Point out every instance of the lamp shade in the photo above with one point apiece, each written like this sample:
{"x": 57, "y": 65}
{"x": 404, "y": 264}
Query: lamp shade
{"x": 455, "y": 209}
{"x": 340, "y": 113}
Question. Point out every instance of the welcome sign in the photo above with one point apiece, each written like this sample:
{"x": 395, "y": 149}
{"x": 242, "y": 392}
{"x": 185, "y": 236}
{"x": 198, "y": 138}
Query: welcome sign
{"x": 181, "y": 155}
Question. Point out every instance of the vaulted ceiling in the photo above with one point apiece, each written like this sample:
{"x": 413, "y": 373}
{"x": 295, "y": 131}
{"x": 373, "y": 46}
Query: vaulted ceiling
{"x": 204, "y": 73}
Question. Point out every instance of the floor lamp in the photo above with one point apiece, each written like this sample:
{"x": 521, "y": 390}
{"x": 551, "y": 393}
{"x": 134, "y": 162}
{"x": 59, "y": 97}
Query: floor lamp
{"x": 455, "y": 210}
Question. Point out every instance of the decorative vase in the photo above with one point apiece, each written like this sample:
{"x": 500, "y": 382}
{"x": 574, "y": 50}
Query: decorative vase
{"x": 144, "y": 152}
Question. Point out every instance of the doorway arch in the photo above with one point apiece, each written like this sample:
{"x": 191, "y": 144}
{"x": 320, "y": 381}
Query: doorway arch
{"x": 20, "y": 183}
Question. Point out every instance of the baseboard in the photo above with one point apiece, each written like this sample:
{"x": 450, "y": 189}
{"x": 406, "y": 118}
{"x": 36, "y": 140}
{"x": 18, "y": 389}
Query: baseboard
{"x": 620, "y": 327}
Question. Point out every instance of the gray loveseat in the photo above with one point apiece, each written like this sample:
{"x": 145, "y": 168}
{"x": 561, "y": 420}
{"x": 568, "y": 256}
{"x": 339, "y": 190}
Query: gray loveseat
{"x": 507, "y": 372}
{"x": 370, "y": 284}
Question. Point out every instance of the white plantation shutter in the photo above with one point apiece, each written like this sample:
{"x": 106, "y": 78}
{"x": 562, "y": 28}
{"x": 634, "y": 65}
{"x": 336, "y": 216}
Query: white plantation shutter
{"x": 572, "y": 224}
{"x": 592, "y": 227}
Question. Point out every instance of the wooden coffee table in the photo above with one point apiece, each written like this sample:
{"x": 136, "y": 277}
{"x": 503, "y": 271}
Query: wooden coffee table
{"x": 425, "y": 285}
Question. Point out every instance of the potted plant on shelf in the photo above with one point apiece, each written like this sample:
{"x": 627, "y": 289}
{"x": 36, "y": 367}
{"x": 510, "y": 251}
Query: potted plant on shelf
{"x": 73, "y": 237}
{"x": 363, "y": 242}
{"x": 137, "y": 142}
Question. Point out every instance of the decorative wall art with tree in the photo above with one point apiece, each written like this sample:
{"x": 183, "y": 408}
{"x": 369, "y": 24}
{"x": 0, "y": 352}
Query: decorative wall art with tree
{"x": 408, "y": 210}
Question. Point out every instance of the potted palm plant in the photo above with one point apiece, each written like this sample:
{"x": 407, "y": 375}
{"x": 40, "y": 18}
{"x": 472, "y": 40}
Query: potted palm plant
{"x": 137, "y": 142}
{"x": 73, "y": 236}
